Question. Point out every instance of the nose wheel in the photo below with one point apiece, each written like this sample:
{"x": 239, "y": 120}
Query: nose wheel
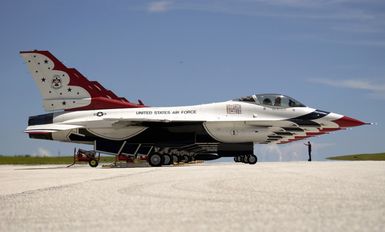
{"x": 252, "y": 159}
{"x": 247, "y": 159}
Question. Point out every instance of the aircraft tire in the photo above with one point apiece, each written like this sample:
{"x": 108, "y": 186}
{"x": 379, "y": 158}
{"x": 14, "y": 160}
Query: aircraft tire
{"x": 252, "y": 159}
{"x": 245, "y": 159}
{"x": 93, "y": 163}
{"x": 185, "y": 159}
{"x": 236, "y": 159}
{"x": 155, "y": 160}
{"x": 175, "y": 159}
{"x": 167, "y": 159}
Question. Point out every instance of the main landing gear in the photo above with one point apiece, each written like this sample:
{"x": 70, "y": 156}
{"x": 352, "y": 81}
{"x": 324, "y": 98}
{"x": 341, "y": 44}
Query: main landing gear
{"x": 247, "y": 159}
{"x": 157, "y": 159}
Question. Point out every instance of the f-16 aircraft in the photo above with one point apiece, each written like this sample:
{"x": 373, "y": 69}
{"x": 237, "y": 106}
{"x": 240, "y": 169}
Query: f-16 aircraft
{"x": 84, "y": 112}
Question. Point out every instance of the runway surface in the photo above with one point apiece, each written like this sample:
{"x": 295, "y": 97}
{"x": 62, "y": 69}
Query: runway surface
{"x": 292, "y": 196}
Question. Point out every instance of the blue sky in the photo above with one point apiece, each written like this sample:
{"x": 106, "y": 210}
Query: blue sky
{"x": 328, "y": 54}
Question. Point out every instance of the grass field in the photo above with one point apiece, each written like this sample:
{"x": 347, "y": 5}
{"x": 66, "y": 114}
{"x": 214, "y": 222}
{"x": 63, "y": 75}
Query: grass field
{"x": 45, "y": 160}
{"x": 376, "y": 156}
{"x": 28, "y": 160}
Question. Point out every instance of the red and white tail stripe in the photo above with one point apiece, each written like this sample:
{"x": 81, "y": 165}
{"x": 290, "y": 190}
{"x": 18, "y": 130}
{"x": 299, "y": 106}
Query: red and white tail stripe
{"x": 67, "y": 89}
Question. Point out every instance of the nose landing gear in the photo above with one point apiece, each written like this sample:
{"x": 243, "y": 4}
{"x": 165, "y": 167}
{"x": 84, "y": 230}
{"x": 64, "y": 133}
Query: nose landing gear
{"x": 252, "y": 159}
{"x": 247, "y": 159}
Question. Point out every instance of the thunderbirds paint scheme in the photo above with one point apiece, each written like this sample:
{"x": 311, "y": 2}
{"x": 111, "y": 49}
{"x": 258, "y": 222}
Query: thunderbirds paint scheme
{"x": 83, "y": 111}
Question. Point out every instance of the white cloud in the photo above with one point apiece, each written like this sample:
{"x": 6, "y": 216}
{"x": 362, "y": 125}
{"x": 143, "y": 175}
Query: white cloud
{"x": 302, "y": 3}
{"x": 335, "y": 17}
{"x": 291, "y": 152}
{"x": 159, "y": 6}
{"x": 319, "y": 9}
{"x": 295, "y": 151}
{"x": 42, "y": 152}
{"x": 375, "y": 89}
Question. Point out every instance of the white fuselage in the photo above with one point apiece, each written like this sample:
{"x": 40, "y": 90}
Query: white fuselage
{"x": 227, "y": 122}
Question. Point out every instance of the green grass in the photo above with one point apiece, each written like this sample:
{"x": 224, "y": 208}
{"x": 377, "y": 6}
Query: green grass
{"x": 45, "y": 160}
{"x": 376, "y": 156}
{"x": 28, "y": 160}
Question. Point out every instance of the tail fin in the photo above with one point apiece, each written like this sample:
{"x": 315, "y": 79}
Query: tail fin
{"x": 67, "y": 89}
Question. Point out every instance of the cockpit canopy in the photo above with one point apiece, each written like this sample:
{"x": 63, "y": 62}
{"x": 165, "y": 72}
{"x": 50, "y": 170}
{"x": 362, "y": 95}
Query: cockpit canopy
{"x": 272, "y": 100}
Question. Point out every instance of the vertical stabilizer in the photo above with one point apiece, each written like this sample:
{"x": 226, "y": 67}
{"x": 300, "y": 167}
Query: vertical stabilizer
{"x": 65, "y": 88}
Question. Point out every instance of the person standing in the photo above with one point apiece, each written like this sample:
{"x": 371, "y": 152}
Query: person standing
{"x": 308, "y": 144}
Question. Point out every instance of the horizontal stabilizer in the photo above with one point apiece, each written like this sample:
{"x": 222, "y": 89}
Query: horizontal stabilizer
{"x": 50, "y": 128}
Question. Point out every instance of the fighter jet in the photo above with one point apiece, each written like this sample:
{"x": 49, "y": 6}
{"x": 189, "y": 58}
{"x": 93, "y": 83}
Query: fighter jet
{"x": 84, "y": 112}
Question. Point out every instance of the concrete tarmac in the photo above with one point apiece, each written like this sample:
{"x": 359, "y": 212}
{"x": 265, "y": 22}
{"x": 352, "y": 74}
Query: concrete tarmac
{"x": 291, "y": 196}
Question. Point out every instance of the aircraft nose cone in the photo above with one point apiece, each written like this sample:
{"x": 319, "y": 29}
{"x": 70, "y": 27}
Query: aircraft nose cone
{"x": 346, "y": 121}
